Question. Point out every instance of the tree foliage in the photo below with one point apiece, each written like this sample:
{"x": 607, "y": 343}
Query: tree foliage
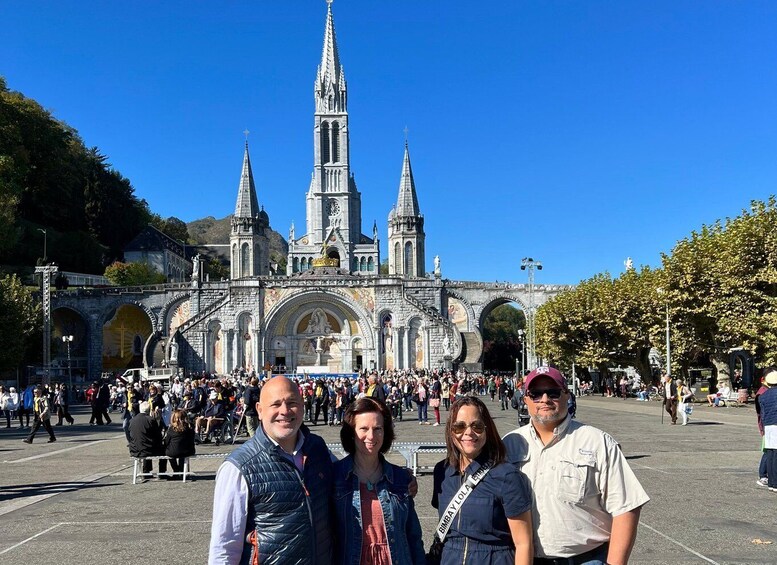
{"x": 20, "y": 316}
{"x": 133, "y": 274}
{"x": 501, "y": 342}
{"x": 718, "y": 285}
{"x": 49, "y": 180}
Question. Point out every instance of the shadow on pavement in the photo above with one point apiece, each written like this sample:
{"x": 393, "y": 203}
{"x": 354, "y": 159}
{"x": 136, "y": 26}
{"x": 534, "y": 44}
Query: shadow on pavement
{"x": 37, "y": 489}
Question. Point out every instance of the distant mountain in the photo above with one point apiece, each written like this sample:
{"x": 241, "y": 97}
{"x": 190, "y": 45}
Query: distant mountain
{"x": 210, "y": 230}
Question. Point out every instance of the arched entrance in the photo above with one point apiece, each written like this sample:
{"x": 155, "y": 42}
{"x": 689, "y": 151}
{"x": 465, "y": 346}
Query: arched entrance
{"x": 319, "y": 332}
{"x": 503, "y": 327}
{"x": 125, "y": 331}
{"x": 67, "y": 322}
{"x": 334, "y": 254}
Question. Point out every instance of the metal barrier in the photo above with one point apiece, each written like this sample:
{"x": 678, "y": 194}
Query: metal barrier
{"x": 408, "y": 450}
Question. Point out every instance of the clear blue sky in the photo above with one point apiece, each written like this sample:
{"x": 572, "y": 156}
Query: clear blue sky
{"x": 578, "y": 133}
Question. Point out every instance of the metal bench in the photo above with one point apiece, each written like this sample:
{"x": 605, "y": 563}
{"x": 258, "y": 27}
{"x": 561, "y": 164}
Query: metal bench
{"x": 409, "y": 450}
{"x": 137, "y": 466}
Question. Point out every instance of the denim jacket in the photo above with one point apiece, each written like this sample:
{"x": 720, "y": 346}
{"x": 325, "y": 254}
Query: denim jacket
{"x": 403, "y": 529}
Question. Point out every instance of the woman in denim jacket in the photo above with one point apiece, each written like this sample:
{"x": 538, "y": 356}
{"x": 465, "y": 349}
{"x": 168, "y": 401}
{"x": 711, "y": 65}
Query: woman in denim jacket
{"x": 376, "y": 518}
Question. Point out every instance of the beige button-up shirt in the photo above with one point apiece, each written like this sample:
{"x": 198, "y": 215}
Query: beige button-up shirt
{"x": 579, "y": 481}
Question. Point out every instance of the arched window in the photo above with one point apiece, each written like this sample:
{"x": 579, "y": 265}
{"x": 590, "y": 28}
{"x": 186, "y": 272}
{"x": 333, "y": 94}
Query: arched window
{"x": 325, "y": 142}
{"x": 335, "y": 142}
{"x": 370, "y": 264}
{"x": 295, "y": 265}
{"x": 355, "y": 263}
{"x": 408, "y": 259}
{"x": 245, "y": 260}
{"x": 397, "y": 259}
{"x": 363, "y": 264}
{"x": 234, "y": 261}
{"x": 303, "y": 264}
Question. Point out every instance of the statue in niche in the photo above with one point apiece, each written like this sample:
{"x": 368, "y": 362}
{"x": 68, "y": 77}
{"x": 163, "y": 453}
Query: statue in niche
{"x": 446, "y": 346}
{"x": 318, "y": 323}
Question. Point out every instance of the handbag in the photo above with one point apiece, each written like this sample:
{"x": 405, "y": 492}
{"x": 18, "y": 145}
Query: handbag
{"x": 434, "y": 402}
{"x": 434, "y": 555}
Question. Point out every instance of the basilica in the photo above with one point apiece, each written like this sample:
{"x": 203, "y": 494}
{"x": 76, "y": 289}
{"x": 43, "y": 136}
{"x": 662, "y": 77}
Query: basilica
{"x": 332, "y": 311}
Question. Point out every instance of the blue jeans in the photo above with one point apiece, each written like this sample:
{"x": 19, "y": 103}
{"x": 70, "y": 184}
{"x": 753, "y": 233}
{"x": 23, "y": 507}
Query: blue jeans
{"x": 422, "y": 416}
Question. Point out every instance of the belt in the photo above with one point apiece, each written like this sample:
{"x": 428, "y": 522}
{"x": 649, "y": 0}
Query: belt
{"x": 600, "y": 552}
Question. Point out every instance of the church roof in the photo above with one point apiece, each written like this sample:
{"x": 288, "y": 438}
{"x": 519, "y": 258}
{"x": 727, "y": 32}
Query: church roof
{"x": 407, "y": 203}
{"x": 247, "y": 204}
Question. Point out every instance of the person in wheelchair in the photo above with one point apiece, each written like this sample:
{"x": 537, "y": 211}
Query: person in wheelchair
{"x": 213, "y": 417}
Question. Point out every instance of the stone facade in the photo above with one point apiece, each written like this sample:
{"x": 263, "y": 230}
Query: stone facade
{"x": 332, "y": 312}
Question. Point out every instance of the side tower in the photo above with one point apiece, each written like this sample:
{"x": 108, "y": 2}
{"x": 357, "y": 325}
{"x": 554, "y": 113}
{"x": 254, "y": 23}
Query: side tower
{"x": 249, "y": 240}
{"x": 406, "y": 241}
{"x": 333, "y": 203}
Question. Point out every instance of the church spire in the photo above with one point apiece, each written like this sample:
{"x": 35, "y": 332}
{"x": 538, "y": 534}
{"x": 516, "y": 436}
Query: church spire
{"x": 407, "y": 203}
{"x": 247, "y": 204}
{"x": 330, "y": 79}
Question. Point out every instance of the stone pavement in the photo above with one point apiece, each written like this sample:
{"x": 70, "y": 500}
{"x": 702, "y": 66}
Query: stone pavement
{"x": 72, "y": 502}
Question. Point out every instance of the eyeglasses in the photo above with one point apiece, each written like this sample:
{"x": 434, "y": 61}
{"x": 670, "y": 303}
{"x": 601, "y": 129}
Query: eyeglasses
{"x": 459, "y": 428}
{"x": 537, "y": 394}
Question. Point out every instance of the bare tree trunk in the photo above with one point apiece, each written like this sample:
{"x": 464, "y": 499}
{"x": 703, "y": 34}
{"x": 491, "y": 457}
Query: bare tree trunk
{"x": 722, "y": 373}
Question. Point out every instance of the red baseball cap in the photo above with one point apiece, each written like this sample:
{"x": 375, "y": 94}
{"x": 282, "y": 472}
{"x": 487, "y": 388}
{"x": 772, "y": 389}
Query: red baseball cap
{"x": 550, "y": 372}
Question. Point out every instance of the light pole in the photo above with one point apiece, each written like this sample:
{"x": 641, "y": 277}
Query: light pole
{"x": 46, "y": 272}
{"x": 668, "y": 344}
{"x": 45, "y": 242}
{"x": 68, "y": 339}
{"x": 522, "y": 355}
{"x": 529, "y": 264}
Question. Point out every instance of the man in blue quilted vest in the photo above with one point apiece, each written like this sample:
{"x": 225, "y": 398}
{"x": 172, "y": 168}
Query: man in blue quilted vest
{"x": 272, "y": 498}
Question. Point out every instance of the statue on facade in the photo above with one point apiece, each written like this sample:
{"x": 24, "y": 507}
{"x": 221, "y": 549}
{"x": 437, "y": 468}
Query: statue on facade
{"x": 437, "y": 266}
{"x": 446, "y": 346}
{"x": 629, "y": 264}
{"x": 318, "y": 323}
{"x": 196, "y": 267}
{"x": 291, "y": 232}
{"x": 173, "y": 346}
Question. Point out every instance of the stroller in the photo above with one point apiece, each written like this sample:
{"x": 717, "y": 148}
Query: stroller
{"x": 518, "y": 403}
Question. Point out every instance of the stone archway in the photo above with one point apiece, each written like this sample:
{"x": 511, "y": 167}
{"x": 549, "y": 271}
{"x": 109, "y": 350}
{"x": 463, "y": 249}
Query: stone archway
{"x": 71, "y": 322}
{"x": 313, "y": 332}
{"x": 123, "y": 327}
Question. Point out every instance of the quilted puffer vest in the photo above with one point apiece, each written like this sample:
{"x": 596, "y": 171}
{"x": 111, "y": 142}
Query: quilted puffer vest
{"x": 290, "y": 512}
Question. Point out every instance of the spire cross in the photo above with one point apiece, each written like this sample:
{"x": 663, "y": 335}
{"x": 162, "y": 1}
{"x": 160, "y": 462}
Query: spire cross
{"x": 329, "y": 2}
{"x": 246, "y": 132}
{"x": 406, "y": 130}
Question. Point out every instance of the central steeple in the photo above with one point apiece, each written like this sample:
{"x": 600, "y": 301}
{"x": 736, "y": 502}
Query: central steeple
{"x": 333, "y": 204}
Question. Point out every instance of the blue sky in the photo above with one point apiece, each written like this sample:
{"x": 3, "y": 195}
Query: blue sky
{"x": 577, "y": 133}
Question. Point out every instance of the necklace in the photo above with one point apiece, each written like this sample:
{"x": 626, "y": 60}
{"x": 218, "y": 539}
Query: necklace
{"x": 371, "y": 477}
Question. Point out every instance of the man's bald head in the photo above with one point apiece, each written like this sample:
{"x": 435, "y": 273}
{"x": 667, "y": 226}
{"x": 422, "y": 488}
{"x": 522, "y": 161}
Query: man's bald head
{"x": 280, "y": 410}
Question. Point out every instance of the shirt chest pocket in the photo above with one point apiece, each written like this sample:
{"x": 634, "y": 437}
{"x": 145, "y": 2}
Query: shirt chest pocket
{"x": 575, "y": 480}
{"x": 477, "y": 516}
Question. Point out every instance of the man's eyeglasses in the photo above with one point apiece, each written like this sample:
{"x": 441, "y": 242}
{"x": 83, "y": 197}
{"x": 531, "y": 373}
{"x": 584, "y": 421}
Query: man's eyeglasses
{"x": 537, "y": 394}
{"x": 459, "y": 428}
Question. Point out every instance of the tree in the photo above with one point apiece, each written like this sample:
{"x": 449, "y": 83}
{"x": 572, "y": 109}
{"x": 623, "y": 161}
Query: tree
{"x": 501, "y": 342}
{"x": 172, "y": 227}
{"x": 20, "y": 316}
{"x": 133, "y": 274}
{"x": 384, "y": 267}
{"x": 216, "y": 269}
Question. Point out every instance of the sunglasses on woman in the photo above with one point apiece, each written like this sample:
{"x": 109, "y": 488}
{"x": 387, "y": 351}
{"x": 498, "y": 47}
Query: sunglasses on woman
{"x": 459, "y": 428}
{"x": 537, "y": 394}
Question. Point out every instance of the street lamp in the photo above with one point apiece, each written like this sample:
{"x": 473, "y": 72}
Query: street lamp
{"x": 668, "y": 345}
{"x": 45, "y": 241}
{"x": 522, "y": 338}
{"x": 67, "y": 340}
{"x": 529, "y": 264}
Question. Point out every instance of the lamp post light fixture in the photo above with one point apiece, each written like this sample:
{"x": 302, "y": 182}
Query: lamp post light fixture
{"x": 529, "y": 264}
{"x": 67, "y": 340}
{"x": 45, "y": 242}
{"x": 522, "y": 355}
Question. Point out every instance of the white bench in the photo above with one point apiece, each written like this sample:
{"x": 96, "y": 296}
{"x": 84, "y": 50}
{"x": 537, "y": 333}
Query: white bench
{"x": 732, "y": 398}
{"x": 137, "y": 468}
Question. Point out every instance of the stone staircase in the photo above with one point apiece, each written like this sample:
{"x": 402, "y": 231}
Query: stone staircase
{"x": 473, "y": 347}
{"x": 205, "y": 312}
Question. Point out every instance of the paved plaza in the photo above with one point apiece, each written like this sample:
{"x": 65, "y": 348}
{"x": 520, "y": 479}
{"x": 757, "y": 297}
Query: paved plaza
{"x": 74, "y": 502}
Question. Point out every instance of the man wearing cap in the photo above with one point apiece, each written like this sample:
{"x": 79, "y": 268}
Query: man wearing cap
{"x": 586, "y": 498}
{"x": 767, "y": 402}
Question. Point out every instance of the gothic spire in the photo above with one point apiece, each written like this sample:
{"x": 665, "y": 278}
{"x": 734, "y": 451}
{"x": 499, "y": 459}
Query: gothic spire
{"x": 407, "y": 203}
{"x": 247, "y": 204}
{"x": 330, "y": 79}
